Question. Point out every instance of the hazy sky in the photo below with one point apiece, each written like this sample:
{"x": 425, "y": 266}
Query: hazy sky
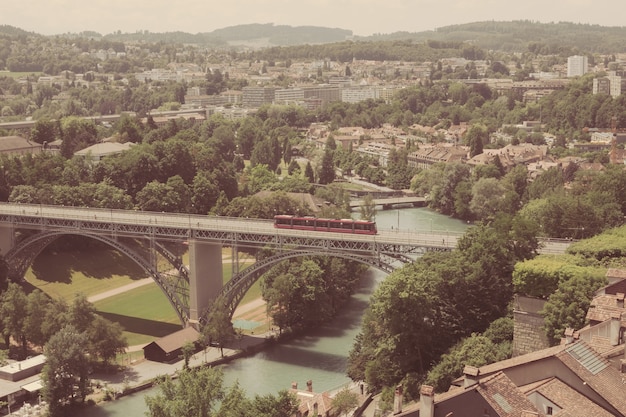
{"x": 363, "y": 17}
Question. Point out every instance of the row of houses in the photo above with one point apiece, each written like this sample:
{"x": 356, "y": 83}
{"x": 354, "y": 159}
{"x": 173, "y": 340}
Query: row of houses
{"x": 585, "y": 375}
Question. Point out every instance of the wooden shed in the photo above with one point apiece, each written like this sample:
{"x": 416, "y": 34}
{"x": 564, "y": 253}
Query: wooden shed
{"x": 169, "y": 348}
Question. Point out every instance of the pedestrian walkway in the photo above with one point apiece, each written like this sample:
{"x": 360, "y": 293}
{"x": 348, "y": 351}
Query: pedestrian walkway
{"x": 144, "y": 371}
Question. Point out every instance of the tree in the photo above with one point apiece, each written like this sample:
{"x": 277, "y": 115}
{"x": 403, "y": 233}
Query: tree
{"x": 38, "y": 305}
{"x": 326, "y": 173}
{"x": 106, "y": 339}
{"x": 345, "y": 401}
{"x": 295, "y": 294}
{"x": 475, "y": 350}
{"x": 14, "y": 310}
{"x": 196, "y": 393}
{"x": 368, "y": 209}
{"x": 568, "y": 305}
{"x": 65, "y": 374}
{"x": 188, "y": 350}
{"x": 308, "y": 172}
{"x": 260, "y": 178}
{"x": 218, "y": 327}
{"x": 285, "y": 404}
{"x": 476, "y": 137}
{"x": 487, "y": 198}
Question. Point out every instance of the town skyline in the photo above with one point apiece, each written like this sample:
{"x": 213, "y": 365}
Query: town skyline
{"x": 363, "y": 18}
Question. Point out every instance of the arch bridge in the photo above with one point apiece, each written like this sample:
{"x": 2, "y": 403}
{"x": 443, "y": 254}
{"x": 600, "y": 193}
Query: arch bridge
{"x": 157, "y": 241}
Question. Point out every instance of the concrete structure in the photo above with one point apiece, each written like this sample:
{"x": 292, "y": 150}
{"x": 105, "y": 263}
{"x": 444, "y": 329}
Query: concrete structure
{"x": 577, "y": 65}
{"x": 613, "y": 84}
{"x": 18, "y": 371}
{"x": 257, "y": 96}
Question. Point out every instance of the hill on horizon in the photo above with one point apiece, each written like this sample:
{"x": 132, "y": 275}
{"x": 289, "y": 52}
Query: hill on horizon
{"x": 510, "y": 36}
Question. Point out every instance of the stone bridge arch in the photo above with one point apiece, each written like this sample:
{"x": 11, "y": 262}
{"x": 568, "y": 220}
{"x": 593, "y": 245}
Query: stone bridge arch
{"x": 176, "y": 289}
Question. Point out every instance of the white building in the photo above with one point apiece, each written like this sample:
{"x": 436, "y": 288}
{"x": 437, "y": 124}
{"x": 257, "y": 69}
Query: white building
{"x": 577, "y": 65}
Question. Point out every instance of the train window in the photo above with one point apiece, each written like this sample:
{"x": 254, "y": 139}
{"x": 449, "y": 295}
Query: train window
{"x": 281, "y": 220}
{"x": 299, "y": 222}
{"x": 322, "y": 223}
{"x": 346, "y": 225}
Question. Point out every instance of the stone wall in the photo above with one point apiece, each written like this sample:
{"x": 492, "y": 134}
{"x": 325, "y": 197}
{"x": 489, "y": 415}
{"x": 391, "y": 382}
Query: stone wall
{"x": 528, "y": 333}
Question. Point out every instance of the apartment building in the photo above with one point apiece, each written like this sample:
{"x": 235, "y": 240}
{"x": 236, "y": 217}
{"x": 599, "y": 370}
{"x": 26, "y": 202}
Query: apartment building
{"x": 257, "y": 96}
{"x": 577, "y": 65}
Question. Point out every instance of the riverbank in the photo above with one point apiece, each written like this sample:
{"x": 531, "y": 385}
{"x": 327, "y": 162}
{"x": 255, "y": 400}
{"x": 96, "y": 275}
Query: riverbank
{"x": 141, "y": 374}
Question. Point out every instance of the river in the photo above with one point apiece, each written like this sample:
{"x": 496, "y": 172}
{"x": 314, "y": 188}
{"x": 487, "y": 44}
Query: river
{"x": 320, "y": 356}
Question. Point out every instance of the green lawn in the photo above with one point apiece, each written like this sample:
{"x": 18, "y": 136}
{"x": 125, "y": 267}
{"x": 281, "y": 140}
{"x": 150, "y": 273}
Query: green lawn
{"x": 89, "y": 272}
{"x": 144, "y": 313}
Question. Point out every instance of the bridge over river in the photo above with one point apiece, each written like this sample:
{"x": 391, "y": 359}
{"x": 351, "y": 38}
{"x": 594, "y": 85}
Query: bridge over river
{"x": 156, "y": 241}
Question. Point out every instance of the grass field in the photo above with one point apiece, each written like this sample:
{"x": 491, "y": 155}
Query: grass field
{"x": 144, "y": 313}
{"x": 90, "y": 272}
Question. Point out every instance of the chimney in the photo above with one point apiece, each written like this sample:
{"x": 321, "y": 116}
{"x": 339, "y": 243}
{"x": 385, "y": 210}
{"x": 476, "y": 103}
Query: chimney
{"x": 397, "y": 400}
{"x": 614, "y": 328}
{"x": 294, "y": 385}
{"x": 470, "y": 374}
{"x": 620, "y": 299}
{"x": 569, "y": 336}
{"x": 427, "y": 401}
{"x": 309, "y": 385}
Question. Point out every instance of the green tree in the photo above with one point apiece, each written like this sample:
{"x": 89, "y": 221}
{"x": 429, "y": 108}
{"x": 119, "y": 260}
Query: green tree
{"x": 196, "y": 393}
{"x": 345, "y": 401}
{"x": 14, "y": 311}
{"x": 368, "y": 209}
{"x": 295, "y": 294}
{"x": 260, "y": 178}
{"x": 65, "y": 375}
{"x": 218, "y": 327}
{"x": 308, "y": 172}
{"x": 285, "y": 404}
{"x": 476, "y": 137}
{"x": 567, "y": 306}
{"x": 475, "y": 351}
{"x": 38, "y": 305}
{"x": 106, "y": 339}
{"x": 326, "y": 172}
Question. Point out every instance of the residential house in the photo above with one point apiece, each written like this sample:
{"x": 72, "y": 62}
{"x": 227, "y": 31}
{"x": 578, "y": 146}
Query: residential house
{"x": 571, "y": 379}
{"x": 312, "y": 404}
{"x": 427, "y": 156}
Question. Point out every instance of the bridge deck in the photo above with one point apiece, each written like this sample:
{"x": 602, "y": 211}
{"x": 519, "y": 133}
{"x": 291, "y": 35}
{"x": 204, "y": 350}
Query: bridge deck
{"x": 225, "y": 230}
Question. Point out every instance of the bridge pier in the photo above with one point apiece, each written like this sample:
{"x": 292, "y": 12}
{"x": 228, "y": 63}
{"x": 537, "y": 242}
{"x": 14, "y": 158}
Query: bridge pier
{"x": 206, "y": 276}
{"x": 6, "y": 237}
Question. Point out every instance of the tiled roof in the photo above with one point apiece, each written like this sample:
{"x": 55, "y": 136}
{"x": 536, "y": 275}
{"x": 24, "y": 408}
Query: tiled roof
{"x": 568, "y": 399}
{"x": 603, "y": 307}
{"x": 606, "y": 382}
{"x": 521, "y": 360}
{"x": 502, "y": 394}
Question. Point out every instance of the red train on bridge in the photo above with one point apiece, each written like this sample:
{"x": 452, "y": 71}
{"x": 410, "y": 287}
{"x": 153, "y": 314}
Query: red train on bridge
{"x": 362, "y": 227}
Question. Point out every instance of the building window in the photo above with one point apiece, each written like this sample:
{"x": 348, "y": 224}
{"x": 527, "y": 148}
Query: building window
{"x": 549, "y": 411}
